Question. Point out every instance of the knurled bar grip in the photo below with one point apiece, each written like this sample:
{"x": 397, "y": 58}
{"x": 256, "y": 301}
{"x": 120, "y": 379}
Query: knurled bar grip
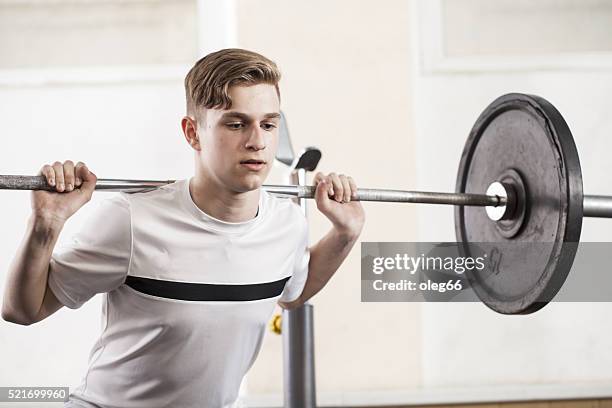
{"x": 401, "y": 196}
{"x": 40, "y": 183}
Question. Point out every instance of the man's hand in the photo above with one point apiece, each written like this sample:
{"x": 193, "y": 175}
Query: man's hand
{"x": 76, "y": 183}
{"x": 333, "y": 196}
{"x": 27, "y": 296}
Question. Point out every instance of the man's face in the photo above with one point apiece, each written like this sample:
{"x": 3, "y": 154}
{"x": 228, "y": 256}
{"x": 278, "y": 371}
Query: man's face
{"x": 238, "y": 145}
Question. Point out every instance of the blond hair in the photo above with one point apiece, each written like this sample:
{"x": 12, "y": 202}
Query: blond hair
{"x": 207, "y": 83}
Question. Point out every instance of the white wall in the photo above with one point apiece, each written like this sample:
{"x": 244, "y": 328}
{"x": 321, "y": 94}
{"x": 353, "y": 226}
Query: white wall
{"x": 42, "y": 33}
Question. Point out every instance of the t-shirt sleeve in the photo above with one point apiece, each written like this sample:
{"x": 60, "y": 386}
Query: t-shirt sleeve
{"x": 295, "y": 285}
{"x": 97, "y": 258}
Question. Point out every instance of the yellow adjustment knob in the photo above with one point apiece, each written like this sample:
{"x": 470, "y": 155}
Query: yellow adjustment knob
{"x": 276, "y": 324}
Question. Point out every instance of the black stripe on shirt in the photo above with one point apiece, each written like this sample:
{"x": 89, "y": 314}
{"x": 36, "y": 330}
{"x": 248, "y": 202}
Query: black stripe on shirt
{"x": 206, "y": 291}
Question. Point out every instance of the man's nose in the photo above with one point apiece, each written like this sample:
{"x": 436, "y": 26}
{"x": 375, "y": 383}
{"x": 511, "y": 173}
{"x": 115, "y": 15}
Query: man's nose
{"x": 257, "y": 139}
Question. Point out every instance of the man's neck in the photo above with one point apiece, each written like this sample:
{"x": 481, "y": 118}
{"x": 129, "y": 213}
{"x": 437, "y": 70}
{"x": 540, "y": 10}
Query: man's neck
{"x": 223, "y": 204}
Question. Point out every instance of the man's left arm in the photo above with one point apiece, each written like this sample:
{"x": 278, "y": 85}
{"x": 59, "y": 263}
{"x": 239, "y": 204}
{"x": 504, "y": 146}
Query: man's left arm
{"x": 333, "y": 198}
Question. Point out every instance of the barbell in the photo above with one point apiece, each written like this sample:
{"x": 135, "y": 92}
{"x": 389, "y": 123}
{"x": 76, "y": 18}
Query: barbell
{"x": 519, "y": 162}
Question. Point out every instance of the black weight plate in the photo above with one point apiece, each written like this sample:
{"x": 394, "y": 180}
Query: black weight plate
{"x": 524, "y": 135}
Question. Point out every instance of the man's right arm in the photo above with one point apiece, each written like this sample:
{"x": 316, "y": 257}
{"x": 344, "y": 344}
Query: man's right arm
{"x": 27, "y": 297}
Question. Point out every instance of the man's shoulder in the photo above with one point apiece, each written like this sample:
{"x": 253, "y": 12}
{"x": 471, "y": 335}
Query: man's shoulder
{"x": 284, "y": 210}
{"x": 164, "y": 193}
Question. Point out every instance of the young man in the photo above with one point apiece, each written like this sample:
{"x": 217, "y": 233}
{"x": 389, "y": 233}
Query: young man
{"x": 190, "y": 272}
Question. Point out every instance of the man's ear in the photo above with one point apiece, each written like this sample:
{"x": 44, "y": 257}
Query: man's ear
{"x": 190, "y": 132}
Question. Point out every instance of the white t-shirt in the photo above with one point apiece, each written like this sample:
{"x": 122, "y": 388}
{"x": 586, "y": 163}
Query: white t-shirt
{"x": 187, "y": 297}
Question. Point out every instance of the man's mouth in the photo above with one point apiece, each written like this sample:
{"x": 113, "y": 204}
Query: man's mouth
{"x": 254, "y": 161}
{"x": 253, "y": 164}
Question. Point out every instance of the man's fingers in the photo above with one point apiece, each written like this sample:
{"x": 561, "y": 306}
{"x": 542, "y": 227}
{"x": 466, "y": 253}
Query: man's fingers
{"x": 346, "y": 187}
{"x": 341, "y": 187}
{"x": 69, "y": 175}
{"x": 58, "y": 169}
{"x": 353, "y": 187}
{"x": 322, "y": 194}
{"x": 88, "y": 179}
{"x": 320, "y": 177}
{"x": 338, "y": 188}
{"x": 78, "y": 178}
{"x": 48, "y": 173}
{"x": 330, "y": 186}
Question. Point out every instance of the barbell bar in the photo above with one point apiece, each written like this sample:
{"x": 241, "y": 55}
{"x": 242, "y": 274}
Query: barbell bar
{"x": 519, "y": 159}
{"x": 593, "y": 205}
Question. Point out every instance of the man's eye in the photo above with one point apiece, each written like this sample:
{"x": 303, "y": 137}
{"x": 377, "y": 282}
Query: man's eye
{"x": 235, "y": 126}
{"x": 268, "y": 126}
